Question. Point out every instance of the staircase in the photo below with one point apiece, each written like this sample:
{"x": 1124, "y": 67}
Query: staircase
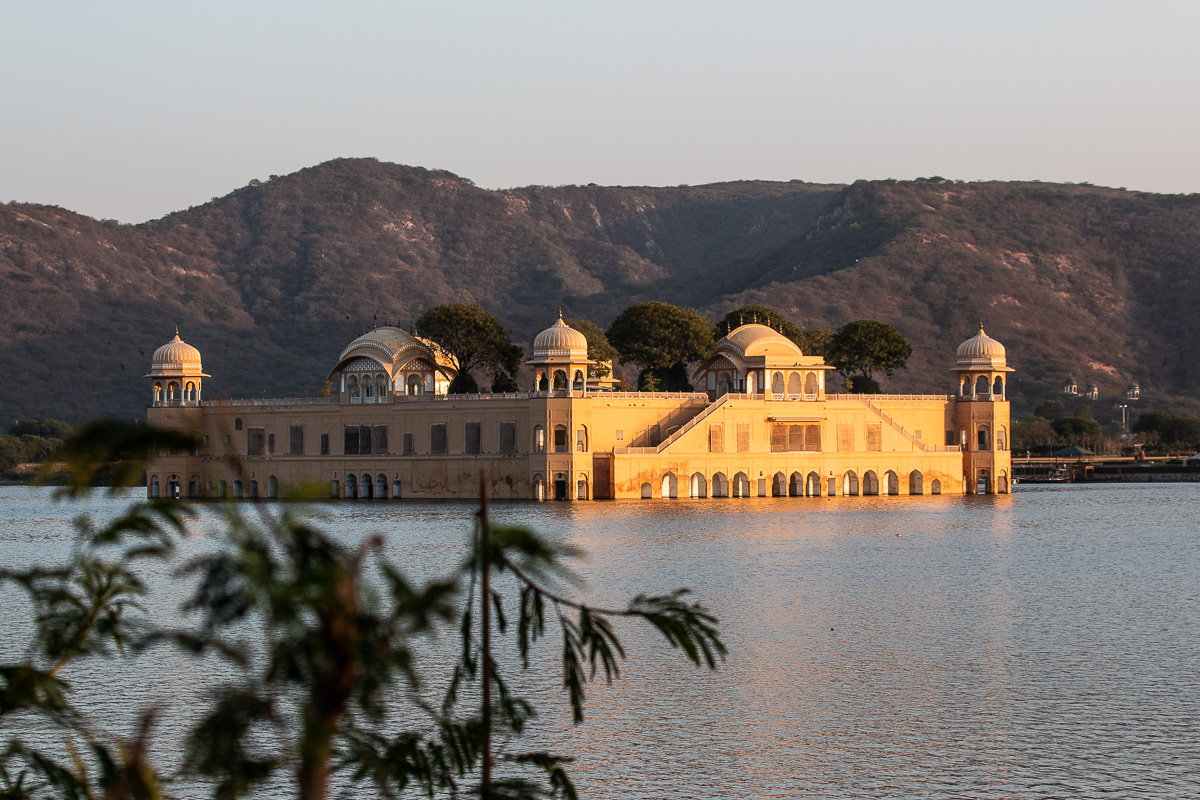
{"x": 693, "y": 422}
{"x": 925, "y": 448}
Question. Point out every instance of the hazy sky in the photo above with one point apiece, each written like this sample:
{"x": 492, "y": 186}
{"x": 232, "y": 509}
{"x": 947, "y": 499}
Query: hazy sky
{"x": 134, "y": 109}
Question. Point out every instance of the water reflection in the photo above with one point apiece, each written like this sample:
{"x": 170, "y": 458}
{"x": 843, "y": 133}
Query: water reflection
{"x": 1036, "y": 645}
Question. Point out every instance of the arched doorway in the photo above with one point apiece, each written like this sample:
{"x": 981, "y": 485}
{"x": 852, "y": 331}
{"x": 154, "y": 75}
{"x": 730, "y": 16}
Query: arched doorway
{"x": 893, "y": 483}
{"x": 850, "y": 484}
{"x": 670, "y": 486}
{"x": 647, "y": 491}
{"x": 252, "y": 490}
{"x": 982, "y": 482}
{"x": 741, "y": 485}
{"x": 916, "y": 484}
{"x": 812, "y": 485}
{"x": 870, "y": 484}
{"x": 539, "y": 487}
{"x": 366, "y": 488}
{"x": 779, "y": 486}
{"x": 560, "y": 486}
{"x": 351, "y": 487}
{"x": 381, "y": 486}
{"x": 699, "y": 487}
{"x": 272, "y": 487}
{"x": 935, "y": 487}
{"x": 720, "y": 485}
{"x": 237, "y": 489}
{"x": 1002, "y": 482}
{"x": 581, "y": 489}
{"x": 396, "y": 490}
{"x": 796, "y": 485}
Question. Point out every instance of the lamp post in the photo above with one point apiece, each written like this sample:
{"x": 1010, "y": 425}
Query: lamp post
{"x": 1124, "y": 417}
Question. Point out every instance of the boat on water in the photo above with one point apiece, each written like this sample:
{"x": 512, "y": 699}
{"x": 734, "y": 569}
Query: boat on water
{"x": 1058, "y": 474}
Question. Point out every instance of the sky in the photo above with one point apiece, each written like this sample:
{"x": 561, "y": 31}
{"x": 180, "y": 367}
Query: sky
{"x": 131, "y": 110}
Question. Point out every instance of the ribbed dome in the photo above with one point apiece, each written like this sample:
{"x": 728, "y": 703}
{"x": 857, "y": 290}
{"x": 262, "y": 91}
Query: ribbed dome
{"x": 981, "y": 350}
{"x": 560, "y": 339}
{"x": 176, "y": 356}
{"x": 755, "y": 339}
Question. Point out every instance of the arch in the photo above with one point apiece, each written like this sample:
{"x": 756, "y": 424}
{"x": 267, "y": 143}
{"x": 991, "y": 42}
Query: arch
{"x": 796, "y": 485}
{"x": 272, "y": 487}
{"x": 397, "y": 492}
{"x": 189, "y": 391}
{"x": 368, "y": 389}
{"x": 158, "y": 394}
{"x": 560, "y": 380}
{"x": 981, "y": 386}
{"x": 237, "y": 489}
{"x": 381, "y": 387}
{"x": 670, "y": 486}
{"x": 581, "y": 439}
{"x": 172, "y": 392}
{"x": 1002, "y": 485}
{"x": 982, "y": 436}
{"x": 779, "y": 487}
{"x": 741, "y": 485}
{"x": 916, "y": 483}
{"x": 1001, "y": 438}
{"x": 252, "y": 489}
{"x": 539, "y": 487}
{"x": 964, "y": 386}
{"x": 562, "y": 443}
{"x": 351, "y": 487}
{"x": 414, "y": 384}
{"x": 541, "y": 382}
{"x": 724, "y": 384}
{"x": 810, "y": 386}
{"x": 154, "y": 487}
{"x": 366, "y": 488}
{"x": 850, "y": 484}
{"x": 699, "y": 486}
{"x": 237, "y": 424}
{"x": 935, "y": 487}
{"x": 998, "y": 387}
{"x": 720, "y": 485}
{"x": 222, "y": 489}
{"x": 381, "y": 487}
{"x": 795, "y": 384}
{"x": 870, "y": 484}
{"x": 892, "y": 481}
{"x": 539, "y": 439}
{"x": 812, "y": 485}
{"x": 777, "y": 383}
{"x": 647, "y": 491}
{"x": 352, "y": 389}
{"x": 983, "y": 482}
{"x": 581, "y": 488}
{"x": 577, "y": 381}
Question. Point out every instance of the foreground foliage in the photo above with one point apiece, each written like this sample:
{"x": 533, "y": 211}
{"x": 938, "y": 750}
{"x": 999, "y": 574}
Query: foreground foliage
{"x": 320, "y": 644}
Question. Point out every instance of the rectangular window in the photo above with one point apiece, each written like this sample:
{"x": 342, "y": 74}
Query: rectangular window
{"x": 472, "y": 438}
{"x": 796, "y": 437}
{"x": 437, "y": 438}
{"x": 364, "y": 440}
{"x": 581, "y": 441}
{"x": 407, "y": 444}
{"x": 227, "y": 437}
{"x": 874, "y": 436}
{"x": 804, "y": 438}
{"x": 324, "y": 444}
{"x": 351, "y": 447}
{"x": 256, "y": 441}
{"x": 779, "y": 438}
{"x": 951, "y": 438}
{"x": 560, "y": 439}
{"x": 620, "y": 436}
{"x": 846, "y": 437}
{"x": 296, "y": 440}
{"x": 716, "y": 438}
{"x": 379, "y": 440}
{"x": 812, "y": 438}
{"x": 743, "y": 437}
{"x": 508, "y": 438}
{"x": 270, "y": 443}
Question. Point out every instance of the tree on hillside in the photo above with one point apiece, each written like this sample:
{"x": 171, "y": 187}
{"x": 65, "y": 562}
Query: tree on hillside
{"x": 864, "y": 347}
{"x": 812, "y": 342}
{"x": 472, "y": 339}
{"x": 599, "y": 350}
{"x": 662, "y": 339}
{"x": 1077, "y": 430}
{"x": 45, "y": 428}
{"x": 1170, "y": 429}
{"x": 318, "y": 647}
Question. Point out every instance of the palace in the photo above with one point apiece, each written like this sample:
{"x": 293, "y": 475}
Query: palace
{"x": 764, "y": 426}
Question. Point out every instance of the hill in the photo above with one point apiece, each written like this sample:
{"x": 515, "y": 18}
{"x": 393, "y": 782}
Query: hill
{"x": 273, "y": 279}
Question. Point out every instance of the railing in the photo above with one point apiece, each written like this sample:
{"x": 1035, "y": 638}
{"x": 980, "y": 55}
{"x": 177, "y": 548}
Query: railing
{"x": 863, "y": 397}
{"x": 926, "y": 448}
{"x": 275, "y": 401}
{"x": 786, "y": 396}
{"x": 691, "y": 423}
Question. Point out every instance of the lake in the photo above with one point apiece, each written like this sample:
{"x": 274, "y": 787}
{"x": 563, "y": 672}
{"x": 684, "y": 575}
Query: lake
{"x": 1040, "y": 644}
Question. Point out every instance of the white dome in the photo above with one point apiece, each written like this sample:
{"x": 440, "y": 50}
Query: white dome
{"x": 176, "y": 357}
{"x": 981, "y": 350}
{"x": 560, "y": 339}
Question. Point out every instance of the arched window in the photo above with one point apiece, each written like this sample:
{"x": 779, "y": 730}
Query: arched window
{"x": 577, "y": 384}
{"x": 670, "y": 486}
{"x": 720, "y": 485}
{"x": 158, "y": 394}
{"x": 779, "y": 485}
{"x": 810, "y": 386}
{"x": 795, "y": 385}
{"x": 172, "y": 392}
{"x": 237, "y": 424}
{"x": 724, "y": 384}
{"x": 850, "y": 484}
{"x": 812, "y": 485}
{"x": 870, "y": 484}
{"x": 915, "y": 483}
{"x": 581, "y": 439}
{"x": 414, "y": 384}
{"x": 893, "y": 482}
{"x": 560, "y": 380}
{"x": 998, "y": 388}
{"x": 561, "y": 445}
{"x": 381, "y": 383}
{"x": 699, "y": 487}
{"x": 352, "y": 389}
{"x": 543, "y": 383}
{"x": 981, "y": 386}
{"x": 1001, "y": 438}
{"x": 189, "y": 392}
{"x": 964, "y": 388}
{"x": 796, "y": 485}
{"x": 777, "y": 383}
{"x": 368, "y": 391}
{"x": 647, "y": 491}
{"x": 539, "y": 487}
{"x": 539, "y": 439}
{"x": 982, "y": 437}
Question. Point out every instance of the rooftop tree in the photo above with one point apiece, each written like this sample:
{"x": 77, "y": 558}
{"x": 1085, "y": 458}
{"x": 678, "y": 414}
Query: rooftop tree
{"x": 599, "y": 349}
{"x": 862, "y": 348}
{"x": 473, "y": 340}
{"x": 661, "y": 339}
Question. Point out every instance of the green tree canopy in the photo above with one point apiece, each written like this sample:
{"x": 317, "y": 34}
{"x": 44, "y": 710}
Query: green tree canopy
{"x": 45, "y": 428}
{"x": 473, "y": 339}
{"x": 812, "y": 342}
{"x": 864, "y": 347}
{"x": 1077, "y": 430}
{"x": 662, "y": 338}
{"x": 599, "y": 349}
{"x": 1171, "y": 429}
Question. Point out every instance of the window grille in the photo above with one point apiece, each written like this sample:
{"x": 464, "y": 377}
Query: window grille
{"x": 874, "y": 436}
{"x": 471, "y": 438}
{"x": 379, "y": 440}
{"x": 351, "y": 446}
{"x": 437, "y": 438}
{"x": 407, "y": 444}
{"x": 743, "y": 437}
{"x": 508, "y": 438}
{"x": 846, "y": 437}
{"x": 324, "y": 444}
{"x": 296, "y": 440}
{"x": 716, "y": 438}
